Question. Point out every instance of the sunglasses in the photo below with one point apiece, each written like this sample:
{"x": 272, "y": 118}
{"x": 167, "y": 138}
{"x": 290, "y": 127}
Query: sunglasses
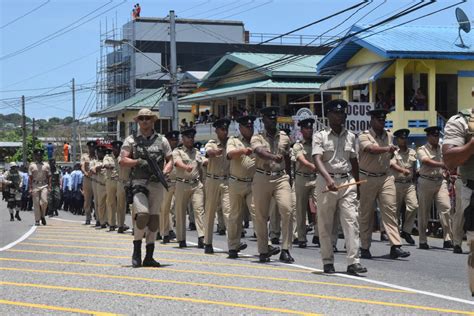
{"x": 144, "y": 118}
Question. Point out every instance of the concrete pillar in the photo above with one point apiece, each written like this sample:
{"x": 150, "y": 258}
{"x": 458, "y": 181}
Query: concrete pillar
{"x": 372, "y": 91}
{"x": 398, "y": 116}
{"x": 268, "y": 101}
{"x": 311, "y": 99}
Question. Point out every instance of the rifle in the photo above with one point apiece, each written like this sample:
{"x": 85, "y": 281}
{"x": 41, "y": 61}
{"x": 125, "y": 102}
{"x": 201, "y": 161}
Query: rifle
{"x": 155, "y": 169}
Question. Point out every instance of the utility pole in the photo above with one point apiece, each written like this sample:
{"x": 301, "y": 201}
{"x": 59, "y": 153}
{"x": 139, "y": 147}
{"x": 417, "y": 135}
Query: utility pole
{"x": 33, "y": 132}
{"x": 173, "y": 70}
{"x": 23, "y": 129}
{"x": 74, "y": 123}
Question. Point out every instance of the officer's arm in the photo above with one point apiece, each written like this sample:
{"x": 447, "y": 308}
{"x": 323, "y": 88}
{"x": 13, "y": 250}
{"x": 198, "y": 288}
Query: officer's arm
{"x": 432, "y": 163}
{"x": 125, "y": 160}
{"x": 322, "y": 170}
{"x": 169, "y": 164}
{"x": 30, "y": 183}
{"x": 301, "y": 158}
{"x": 264, "y": 154}
{"x": 355, "y": 168}
{"x": 396, "y": 167}
{"x": 288, "y": 165}
{"x": 236, "y": 153}
{"x": 455, "y": 156}
{"x": 377, "y": 150}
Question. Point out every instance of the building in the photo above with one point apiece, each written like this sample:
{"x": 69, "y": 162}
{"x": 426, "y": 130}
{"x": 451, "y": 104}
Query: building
{"x": 418, "y": 72}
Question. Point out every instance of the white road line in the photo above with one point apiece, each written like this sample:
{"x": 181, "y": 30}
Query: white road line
{"x": 65, "y": 220}
{"x": 26, "y": 235}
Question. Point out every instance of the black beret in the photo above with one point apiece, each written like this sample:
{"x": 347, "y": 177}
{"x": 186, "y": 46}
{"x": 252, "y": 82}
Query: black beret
{"x": 379, "y": 113}
{"x": 221, "y": 123}
{"x": 38, "y": 151}
{"x": 308, "y": 123}
{"x": 172, "y": 134}
{"x": 403, "y": 133}
{"x": 246, "y": 120}
{"x": 338, "y": 105}
{"x": 91, "y": 143}
{"x": 270, "y": 111}
{"x": 433, "y": 130}
{"x": 190, "y": 132}
{"x": 117, "y": 144}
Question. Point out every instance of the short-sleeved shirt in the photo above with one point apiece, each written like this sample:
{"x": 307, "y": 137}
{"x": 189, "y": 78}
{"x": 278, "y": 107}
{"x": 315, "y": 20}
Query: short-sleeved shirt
{"x": 277, "y": 145}
{"x": 112, "y": 167}
{"x": 86, "y": 161}
{"x": 336, "y": 150}
{"x": 405, "y": 159}
{"x": 428, "y": 151}
{"x": 305, "y": 149}
{"x": 375, "y": 163}
{"x": 456, "y": 133}
{"x": 39, "y": 171}
{"x": 191, "y": 157}
{"x": 243, "y": 166}
{"x": 218, "y": 166}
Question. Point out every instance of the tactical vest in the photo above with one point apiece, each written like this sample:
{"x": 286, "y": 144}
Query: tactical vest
{"x": 15, "y": 178}
{"x": 154, "y": 147}
{"x": 55, "y": 179}
{"x": 467, "y": 170}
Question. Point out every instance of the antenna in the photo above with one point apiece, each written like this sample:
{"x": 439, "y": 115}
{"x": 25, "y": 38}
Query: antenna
{"x": 464, "y": 25}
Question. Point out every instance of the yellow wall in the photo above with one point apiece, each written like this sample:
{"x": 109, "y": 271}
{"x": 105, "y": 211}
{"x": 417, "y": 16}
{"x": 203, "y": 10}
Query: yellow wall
{"x": 364, "y": 57}
{"x": 465, "y": 93}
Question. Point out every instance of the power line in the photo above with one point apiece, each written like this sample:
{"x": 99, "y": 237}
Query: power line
{"x": 24, "y": 15}
{"x": 193, "y": 7}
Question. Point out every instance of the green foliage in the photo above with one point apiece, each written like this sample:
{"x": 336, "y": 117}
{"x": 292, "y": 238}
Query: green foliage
{"x": 30, "y": 145}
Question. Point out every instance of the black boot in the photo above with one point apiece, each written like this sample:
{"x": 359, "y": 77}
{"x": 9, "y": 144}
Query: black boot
{"x": 12, "y": 219}
{"x": 17, "y": 215}
{"x": 149, "y": 261}
{"x": 137, "y": 254}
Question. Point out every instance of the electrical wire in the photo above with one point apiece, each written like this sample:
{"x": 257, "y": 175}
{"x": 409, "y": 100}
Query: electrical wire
{"x": 25, "y": 14}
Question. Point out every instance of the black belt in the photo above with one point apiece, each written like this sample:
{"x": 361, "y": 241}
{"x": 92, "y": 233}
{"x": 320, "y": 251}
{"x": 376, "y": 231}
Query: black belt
{"x": 306, "y": 175}
{"x": 241, "y": 179}
{"x": 190, "y": 181}
{"x": 270, "y": 173}
{"x": 431, "y": 178}
{"x": 40, "y": 182}
{"x": 339, "y": 175}
{"x": 371, "y": 174}
{"x": 213, "y": 176}
{"x": 403, "y": 180}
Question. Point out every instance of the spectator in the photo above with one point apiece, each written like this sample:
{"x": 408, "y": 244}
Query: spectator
{"x": 183, "y": 125}
{"x": 50, "y": 150}
{"x": 65, "y": 152}
{"x": 138, "y": 9}
{"x": 420, "y": 99}
{"x": 68, "y": 152}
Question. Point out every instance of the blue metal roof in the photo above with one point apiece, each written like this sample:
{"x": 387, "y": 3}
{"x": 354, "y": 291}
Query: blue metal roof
{"x": 420, "y": 42}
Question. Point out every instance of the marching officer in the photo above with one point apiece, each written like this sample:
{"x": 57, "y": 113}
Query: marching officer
{"x": 458, "y": 151}
{"x": 433, "y": 187}
{"x": 217, "y": 182}
{"x": 100, "y": 200}
{"x": 87, "y": 182}
{"x": 272, "y": 149}
{"x": 335, "y": 156}
{"x": 188, "y": 162}
{"x": 165, "y": 227}
{"x": 55, "y": 194}
{"x": 147, "y": 190}
{"x": 375, "y": 152}
{"x": 14, "y": 182}
{"x": 458, "y": 218}
{"x": 305, "y": 177}
{"x": 242, "y": 170}
{"x": 39, "y": 185}
{"x": 403, "y": 165}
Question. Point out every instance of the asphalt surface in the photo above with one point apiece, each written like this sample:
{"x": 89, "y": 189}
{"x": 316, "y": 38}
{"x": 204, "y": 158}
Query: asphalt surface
{"x": 70, "y": 268}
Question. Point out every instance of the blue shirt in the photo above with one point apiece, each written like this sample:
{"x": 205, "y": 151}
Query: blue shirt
{"x": 26, "y": 179}
{"x": 67, "y": 182}
{"x": 76, "y": 179}
{"x": 50, "y": 150}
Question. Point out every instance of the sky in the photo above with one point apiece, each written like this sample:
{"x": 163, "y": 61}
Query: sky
{"x": 46, "y": 43}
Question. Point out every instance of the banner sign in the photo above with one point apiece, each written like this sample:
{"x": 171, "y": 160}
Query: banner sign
{"x": 358, "y": 119}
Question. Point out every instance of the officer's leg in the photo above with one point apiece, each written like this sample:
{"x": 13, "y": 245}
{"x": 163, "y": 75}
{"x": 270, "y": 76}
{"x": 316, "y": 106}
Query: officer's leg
{"x": 275, "y": 221}
{"x": 182, "y": 193}
{"x": 234, "y": 223}
{"x": 411, "y": 202}
{"x": 197, "y": 201}
{"x": 443, "y": 205}
{"x": 212, "y": 199}
{"x": 302, "y": 198}
{"x": 458, "y": 220}
{"x": 262, "y": 191}
{"x": 142, "y": 215}
{"x": 282, "y": 196}
{"x": 466, "y": 194}
{"x": 388, "y": 204}
{"x": 87, "y": 188}
{"x": 368, "y": 194}
{"x": 225, "y": 203}
{"x": 165, "y": 211}
{"x": 327, "y": 205}
{"x": 111, "y": 201}
{"x": 425, "y": 200}
{"x": 155, "y": 197}
{"x": 348, "y": 216}
{"x": 121, "y": 205}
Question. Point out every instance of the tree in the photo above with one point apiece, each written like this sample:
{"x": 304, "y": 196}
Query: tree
{"x": 30, "y": 145}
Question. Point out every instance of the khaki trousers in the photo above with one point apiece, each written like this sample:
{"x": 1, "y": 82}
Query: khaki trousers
{"x": 185, "y": 192}
{"x": 101, "y": 205}
{"x": 115, "y": 203}
{"x": 217, "y": 193}
{"x": 466, "y": 199}
{"x": 274, "y": 222}
{"x": 380, "y": 189}
{"x": 150, "y": 205}
{"x": 166, "y": 210}
{"x": 304, "y": 190}
{"x": 406, "y": 192}
{"x": 458, "y": 217}
{"x": 40, "y": 201}
{"x": 437, "y": 191}
{"x": 94, "y": 193}
{"x": 264, "y": 188}
{"x": 87, "y": 189}
{"x": 342, "y": 205}
{"x": 240, "y": 197}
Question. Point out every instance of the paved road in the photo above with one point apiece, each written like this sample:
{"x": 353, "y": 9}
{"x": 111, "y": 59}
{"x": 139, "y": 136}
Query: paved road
{"x": 66, "y": 267}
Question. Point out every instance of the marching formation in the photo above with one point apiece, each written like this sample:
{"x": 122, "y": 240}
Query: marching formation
{"x": 331, "y": 181}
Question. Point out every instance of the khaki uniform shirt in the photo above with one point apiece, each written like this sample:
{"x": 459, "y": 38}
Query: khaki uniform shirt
{"x": 280, "y": 145}
{"x": 374, "y": 163}
{"x": 102, "y": 173}
{"x": 303, "y": 148}
{"x": 405, "y": 159}
{"x": 40, "y": 172}
{"x": 428, "y": 151}
{"x": 336, "y": 150}
{"x": 243, "y": 166}
{"x": 218, "y": 166}
{"x": 456, "y": 133}
{"x": 190, "y": 157}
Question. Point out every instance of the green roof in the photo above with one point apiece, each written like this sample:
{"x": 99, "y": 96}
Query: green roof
{"x": 303, "y": 66}
{"x": 260, "y": 86}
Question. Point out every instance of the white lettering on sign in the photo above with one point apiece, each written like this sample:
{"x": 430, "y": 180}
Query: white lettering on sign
{"x": 358, "y": 119}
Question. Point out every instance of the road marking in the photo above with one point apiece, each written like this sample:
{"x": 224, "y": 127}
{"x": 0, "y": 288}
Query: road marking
{"x": 26, "y": 235}
{"x": 56, "y": 308}
{"x": 252, "y": 266}
{"x": 65, "y": 220}
{"x": 83, "y": 239}
{"x": 87, "y": 235}
{"x": 220, "y": 274}
{"x": 170, "y": 298}
{"x": 240, "y": 288}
